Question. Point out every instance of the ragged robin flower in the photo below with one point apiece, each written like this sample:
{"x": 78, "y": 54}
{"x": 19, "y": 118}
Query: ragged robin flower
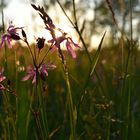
{"x": 11, "y": 34}
{"x": 31, "y": 73}
{"x": 59, "y": 36}
{"x": 69, "y": 43}
{"x": 42, "y": 70}
{"x": 54, "y": 31}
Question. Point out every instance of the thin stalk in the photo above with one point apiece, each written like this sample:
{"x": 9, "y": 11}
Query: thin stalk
{"x": 128, "y": 68}
{"x": 34, "y": 62}
{"x": 2, "y": 17}
{"x": 65, "y": 13}
{"x": 43, "y": 112}
{"x": 45, "y": 56}
{"x": 38, "y": 104}
{"x": 38, "y": 124}
{"x": 6, "y": 124}
{"x": 131, "y": 70}
{"x": 70, "y": 100}
{"x": 10, "y": 115}
{"x": 75, "y": 25}
{"x": 29, "y": 112}
{"x": 78, "y": 31}
{"x": 123, "y": 89}
{"x": 3, "y": 30}
{"x": 108, "y": 127}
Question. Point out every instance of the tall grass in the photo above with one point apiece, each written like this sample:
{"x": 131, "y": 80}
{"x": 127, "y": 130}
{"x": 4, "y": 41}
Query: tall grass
{"x": 94, "y": 96}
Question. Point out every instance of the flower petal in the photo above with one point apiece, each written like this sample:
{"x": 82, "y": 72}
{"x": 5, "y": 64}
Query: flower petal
{"x": 34, "y": 79}
{"x": 76, "y": 45}
{"x": 2, "y": 78}
{"x": 2, "y": 87}
{"x": 27, "y": 77}
{"x": 70, "y": 50}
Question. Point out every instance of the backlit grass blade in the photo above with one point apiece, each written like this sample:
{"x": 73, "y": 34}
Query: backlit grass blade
{"x": 96, "y": 56}
{"x": 91, "y": 70}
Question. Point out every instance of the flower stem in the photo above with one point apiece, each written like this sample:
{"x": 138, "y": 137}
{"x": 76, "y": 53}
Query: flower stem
{"x": 69, "y": 98}
{"x": 3, "y": 30}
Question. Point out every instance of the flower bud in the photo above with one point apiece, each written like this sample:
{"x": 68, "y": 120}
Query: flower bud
{"x": 40, "y": 43}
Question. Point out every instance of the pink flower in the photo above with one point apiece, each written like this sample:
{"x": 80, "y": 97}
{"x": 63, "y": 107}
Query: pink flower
{"x": 10, "y": 35}
{"x": 56, "y": 40}
{"x": 31, "y": 73}
{"x": 69, "y": 43}
{"x": 42, "y": 71}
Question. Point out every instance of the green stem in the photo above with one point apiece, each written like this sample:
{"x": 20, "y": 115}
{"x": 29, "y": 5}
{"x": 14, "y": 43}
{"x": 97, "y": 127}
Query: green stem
{"x": 128, "y": 73}
{"x": 131, "y": 72}
{"x": 70, "y": 100}
{"x": 43, "y": 112}
{"x": 10, "y": 116}
{"x": 41, "y": 107}
{"x": 3, "y": 30}
{"x": 33, "y": 58}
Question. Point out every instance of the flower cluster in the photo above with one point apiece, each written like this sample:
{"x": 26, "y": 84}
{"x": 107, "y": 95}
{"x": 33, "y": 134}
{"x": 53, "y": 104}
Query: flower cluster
{"x": 13, "y": 33}
{"x": 69, "y": 43}
{"x": 42, "y": 71}
{"x": 56, "y": 40}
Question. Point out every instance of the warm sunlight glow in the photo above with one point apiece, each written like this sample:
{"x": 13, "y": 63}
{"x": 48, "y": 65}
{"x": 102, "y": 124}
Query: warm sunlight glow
{"x": 58, "y": 33}
{"x": 24, "y": 15}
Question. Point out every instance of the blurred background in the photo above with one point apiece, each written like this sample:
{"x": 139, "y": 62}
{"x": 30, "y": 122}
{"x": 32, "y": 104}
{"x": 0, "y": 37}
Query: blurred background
{"x": 94, "y": 17}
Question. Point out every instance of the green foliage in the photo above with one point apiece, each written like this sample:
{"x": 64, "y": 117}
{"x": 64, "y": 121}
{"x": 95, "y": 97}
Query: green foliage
{"x": 92, "y": 97}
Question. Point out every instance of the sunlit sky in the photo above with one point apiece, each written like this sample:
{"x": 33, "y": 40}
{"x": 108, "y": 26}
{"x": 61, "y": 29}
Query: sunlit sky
{"x": 22, "y": 14}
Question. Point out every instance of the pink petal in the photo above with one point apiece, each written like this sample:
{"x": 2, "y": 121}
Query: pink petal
{"x": 45, "y": 72}
{"x": 76, "y": 45}
{"x": 54, "y": 47}
{"x": 2, "y": 78}
{"x": 34, "y": 79}
{"x": 70, "y": 50}
{"x": 27, "y": 77}
{"x": 2, "y": 87}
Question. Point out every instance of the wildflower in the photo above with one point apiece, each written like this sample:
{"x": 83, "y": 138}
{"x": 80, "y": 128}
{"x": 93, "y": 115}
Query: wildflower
{"x": 2, "y": 78}
{"x": 10, "y": 35}
{"x": 31, "y": 73}
{"x": 47, "y": 20}
{"x": 69, "y": 43}
{"x": 56, "y": 39}
{"x": 42, "y": 70}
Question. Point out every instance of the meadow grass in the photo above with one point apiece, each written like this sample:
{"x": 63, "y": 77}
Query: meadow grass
{"x": 92, "y": 97}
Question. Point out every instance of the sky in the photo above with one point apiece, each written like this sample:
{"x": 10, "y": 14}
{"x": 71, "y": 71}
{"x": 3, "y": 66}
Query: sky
{"x": 19, "y": 12}
{"x": 22, "y": 14}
